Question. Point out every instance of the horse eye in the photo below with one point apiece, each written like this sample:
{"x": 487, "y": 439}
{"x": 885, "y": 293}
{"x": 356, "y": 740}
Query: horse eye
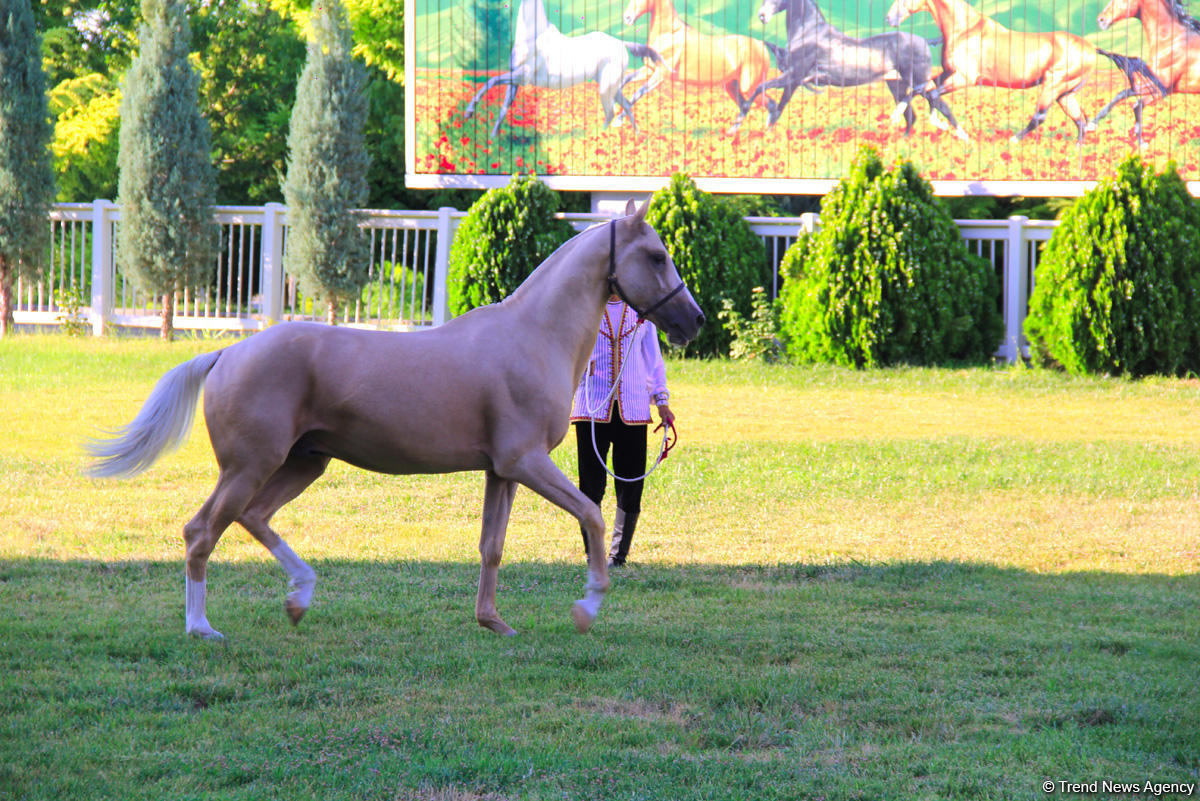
{"x": 658, "y": 257}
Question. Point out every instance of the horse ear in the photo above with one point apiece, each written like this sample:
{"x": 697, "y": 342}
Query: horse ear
{"x": 629, "y": 208}
{"x": 640, "y": 215}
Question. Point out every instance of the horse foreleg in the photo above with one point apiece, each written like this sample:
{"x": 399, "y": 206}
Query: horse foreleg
{"x": 540, "y": 474}
{"x": 1070, "y": 106}
{"x": 487, "y": 87}
{"x": 626, "y": 107}
{"x": 498, "y": 497}
{"x": 296, "y": 474}
{"x": 509, "y": 96}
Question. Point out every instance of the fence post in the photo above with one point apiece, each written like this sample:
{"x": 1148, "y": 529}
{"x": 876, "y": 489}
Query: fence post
{"x": 1015, "y": 287}
{"x": 808, "y": 222}
{"x": 446, "y": 226}
{"x": 103, "y": 272}
{"x": 272, "y": 261}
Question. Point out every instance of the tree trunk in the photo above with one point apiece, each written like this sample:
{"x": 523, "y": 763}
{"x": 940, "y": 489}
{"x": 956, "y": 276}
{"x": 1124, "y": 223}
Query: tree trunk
{"x": 168, "y": 316}
{"x": 6, "y": 300}
{"x": 331, "y": 311}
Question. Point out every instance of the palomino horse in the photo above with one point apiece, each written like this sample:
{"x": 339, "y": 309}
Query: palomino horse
{"x": 818, "y": 54}
{"x": 979, "y": 51}
{"x": 738, "y": 63}
{"x": 1173, "y": 37}
{"x": 490, "y": 390}
{"x": 543, "y": 56}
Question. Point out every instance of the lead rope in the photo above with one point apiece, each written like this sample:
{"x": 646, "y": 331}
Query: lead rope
{"x": 667, "y": 429}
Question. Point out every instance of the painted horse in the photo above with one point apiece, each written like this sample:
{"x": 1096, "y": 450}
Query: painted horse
{"x": 543, "y": 56}
{"x": 1173, "y": 38}
{"x": 818, "y": 54}
{"x": 979, "y": 51}
{"x": 737, "y": 63}
{"x": 490, "y": 391}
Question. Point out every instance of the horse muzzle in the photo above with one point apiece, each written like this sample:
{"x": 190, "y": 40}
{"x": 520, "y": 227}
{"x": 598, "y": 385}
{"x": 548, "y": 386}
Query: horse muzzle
{"x": 680, "y": 320}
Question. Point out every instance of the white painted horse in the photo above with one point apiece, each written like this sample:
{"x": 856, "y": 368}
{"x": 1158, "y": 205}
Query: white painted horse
{"x": 490, "y": 390}
{"x": 543, "y": 56}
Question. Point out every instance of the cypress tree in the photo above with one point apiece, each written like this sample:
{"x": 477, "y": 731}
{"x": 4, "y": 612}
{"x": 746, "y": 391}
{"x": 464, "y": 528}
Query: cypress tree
{"x": 167, "y": 239}
{"x": 26, "y": 169}
{"x": 327, "y": 166}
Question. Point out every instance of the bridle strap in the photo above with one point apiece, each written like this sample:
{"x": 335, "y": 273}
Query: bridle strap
{"x": 615, "y": 286}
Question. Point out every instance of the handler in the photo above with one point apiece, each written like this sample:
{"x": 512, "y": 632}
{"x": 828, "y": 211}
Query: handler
{"x": 621, "y": 420}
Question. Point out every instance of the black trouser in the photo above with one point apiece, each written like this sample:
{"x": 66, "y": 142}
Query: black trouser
{"x": 628, "y": 457}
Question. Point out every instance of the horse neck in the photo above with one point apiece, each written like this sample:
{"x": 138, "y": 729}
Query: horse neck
{"x": 663, "y": 18}
{"x": 531, "y": 17}
{"x": 1158, "y": 19}
{"x": 797, "y": 15}
{"x": 563, "y": 300}
{"x": 954, "y": 16}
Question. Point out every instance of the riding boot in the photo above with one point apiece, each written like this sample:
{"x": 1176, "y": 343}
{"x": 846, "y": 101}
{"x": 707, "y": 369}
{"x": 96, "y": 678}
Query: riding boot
{"x": 622, "y": 537}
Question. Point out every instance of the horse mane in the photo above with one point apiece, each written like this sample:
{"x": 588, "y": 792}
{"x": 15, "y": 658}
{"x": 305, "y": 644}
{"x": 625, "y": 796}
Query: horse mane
{"x": 1180, "y": 12}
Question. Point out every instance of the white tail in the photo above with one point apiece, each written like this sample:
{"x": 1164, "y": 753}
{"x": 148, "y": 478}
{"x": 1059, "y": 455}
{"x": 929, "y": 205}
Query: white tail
{"x": 161, "y": 425}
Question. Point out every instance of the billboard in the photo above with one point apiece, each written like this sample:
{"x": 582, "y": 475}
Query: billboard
{"x": 1041, "y": 97}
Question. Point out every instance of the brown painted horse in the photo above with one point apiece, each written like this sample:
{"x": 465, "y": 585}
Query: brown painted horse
{"x": 978, "y": 51}
{"x": 737, "y": 63}
{"x": 490, "y": 390}
{"x": 1173, "y": 38}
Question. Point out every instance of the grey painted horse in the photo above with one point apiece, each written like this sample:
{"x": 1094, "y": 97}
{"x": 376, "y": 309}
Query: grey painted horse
{"x": 490, "y": 390}
{"x": 818, "y": 54}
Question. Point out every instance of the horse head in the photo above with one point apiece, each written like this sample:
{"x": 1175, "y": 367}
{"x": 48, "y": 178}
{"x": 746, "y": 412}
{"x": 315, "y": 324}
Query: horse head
{"x": 1118, "y": 10}
{"x": 635, "y": 9}
{"x": 903, "y": 9}
{"x": 770, "y": 8}
{"x": 642, "y": 273}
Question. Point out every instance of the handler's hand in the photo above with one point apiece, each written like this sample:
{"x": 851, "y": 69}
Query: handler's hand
{"x": 665, "y": 414}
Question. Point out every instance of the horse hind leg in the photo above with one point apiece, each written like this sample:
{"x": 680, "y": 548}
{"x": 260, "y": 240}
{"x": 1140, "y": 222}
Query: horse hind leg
{"x": 229, "y": 498}
{"x": 291, "y": 479}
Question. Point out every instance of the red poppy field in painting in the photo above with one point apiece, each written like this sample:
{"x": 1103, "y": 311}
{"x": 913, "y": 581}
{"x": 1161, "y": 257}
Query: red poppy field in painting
{"x": 559, "y": 132}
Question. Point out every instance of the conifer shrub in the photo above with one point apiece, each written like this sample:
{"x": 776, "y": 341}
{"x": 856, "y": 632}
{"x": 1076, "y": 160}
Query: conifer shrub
{"x": 715, "y": 252}
{"x": 887, "y": 279}
{"x": 328, "y": 163}
{"x": 1116, "y": 288}
{"x": 505, "y": 235}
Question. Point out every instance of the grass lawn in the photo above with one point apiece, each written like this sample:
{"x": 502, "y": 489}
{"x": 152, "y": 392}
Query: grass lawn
{"x": 900, "y": 584}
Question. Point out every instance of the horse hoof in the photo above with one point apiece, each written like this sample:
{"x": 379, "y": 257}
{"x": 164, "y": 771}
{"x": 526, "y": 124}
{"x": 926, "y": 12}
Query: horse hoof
{"x": 499, "y": 626}
{"x": 294, "y": 610}
{"x": 206, "y": 634}
{"x": 582, "y": 617}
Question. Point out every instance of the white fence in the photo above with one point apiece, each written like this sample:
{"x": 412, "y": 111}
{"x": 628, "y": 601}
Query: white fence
{"x": 409, "y": 252}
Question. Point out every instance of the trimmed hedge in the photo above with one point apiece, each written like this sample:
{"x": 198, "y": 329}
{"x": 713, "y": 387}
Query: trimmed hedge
{"x": 887, "y": 279}
{"x": 715, "y": 252}
{"x": 1117, "y": 286}
{"x": 505, "y": 235}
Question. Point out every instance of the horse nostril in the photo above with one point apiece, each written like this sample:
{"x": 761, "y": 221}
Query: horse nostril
{"x": 700, "y": 320}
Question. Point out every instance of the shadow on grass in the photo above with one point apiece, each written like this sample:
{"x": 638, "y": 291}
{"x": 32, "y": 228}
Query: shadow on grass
{"x": 842, "y": 680}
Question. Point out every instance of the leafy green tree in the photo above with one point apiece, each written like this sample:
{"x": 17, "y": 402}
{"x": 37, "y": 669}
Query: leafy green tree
{"x": 249, "y": 59}
{"x": 506, "y": 234}
{"x": 167, "y": 237}
{"x": 328, "y": 165}
{"x": 716, "y": 253}
{"x": 86, "y": 134}
{"x": 888, "y": 278}
{"x": 1116, "y": 289}
{"x": 26, "y": 172}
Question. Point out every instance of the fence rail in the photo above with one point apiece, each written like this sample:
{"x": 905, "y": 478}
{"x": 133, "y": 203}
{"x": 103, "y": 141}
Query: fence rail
{"x": 249, "y": 287}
